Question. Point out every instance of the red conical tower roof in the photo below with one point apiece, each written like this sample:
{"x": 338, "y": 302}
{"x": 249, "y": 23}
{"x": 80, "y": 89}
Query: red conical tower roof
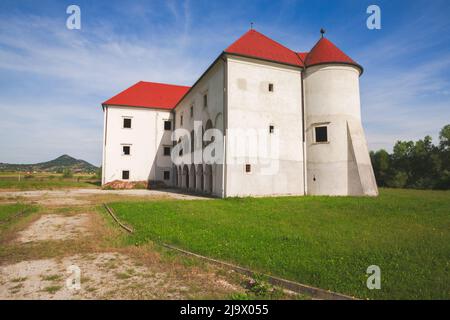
{"x": 326, "y": 52}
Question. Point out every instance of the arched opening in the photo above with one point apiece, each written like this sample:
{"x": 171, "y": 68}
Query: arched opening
{"x": 192, "y": 177}
{"x": 200, "y": 179}
{"x": 175, "y": 171}
{"x": 208, "y": 178}
{"x": 185, "y": 177}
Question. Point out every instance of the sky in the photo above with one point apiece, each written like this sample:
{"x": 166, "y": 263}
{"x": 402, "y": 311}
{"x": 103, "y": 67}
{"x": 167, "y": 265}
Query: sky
{"x": 53, "y": 79}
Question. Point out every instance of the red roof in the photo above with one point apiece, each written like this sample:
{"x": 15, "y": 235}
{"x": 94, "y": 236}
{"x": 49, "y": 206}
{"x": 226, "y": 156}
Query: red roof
{"x": 149, "y": 95}
{"x": 326, "y": 52}
{"x": 252, "y": 44}
{"x": 257, "y": 45}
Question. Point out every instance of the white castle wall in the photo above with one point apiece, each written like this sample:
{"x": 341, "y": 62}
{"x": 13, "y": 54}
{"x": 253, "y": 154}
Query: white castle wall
{"x": 146, "y": 137}
{"x": 252, "y": 106}
{"x": 342, "y": 166}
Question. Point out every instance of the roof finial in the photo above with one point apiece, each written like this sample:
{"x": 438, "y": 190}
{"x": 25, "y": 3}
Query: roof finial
{"x": 322, "y": 31}
{"x": 251, "y": 25}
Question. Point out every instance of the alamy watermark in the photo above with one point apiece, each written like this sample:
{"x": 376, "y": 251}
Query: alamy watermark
{"x": 73, "y": 282}
{"x": 374, "y": 279}
{"x": 373, "y": 22}
{"x": 73, "y": 22}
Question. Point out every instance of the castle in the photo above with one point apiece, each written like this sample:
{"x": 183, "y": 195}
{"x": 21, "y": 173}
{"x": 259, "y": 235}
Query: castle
{"x": 301, "y": 110}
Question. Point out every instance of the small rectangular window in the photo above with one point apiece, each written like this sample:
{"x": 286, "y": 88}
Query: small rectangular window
{"x": 181, "y": 120}
{"x": 271, "y": 128}
{"x": 248, "y": 168}
{"x": 126, "y": 150}
{"x": 321, "y": 134}
{"x": 125, "y": 175}
{"x": 205, "y": 100}
{"x": 167, "y": 151}
{"x": 166, "y": 175}
{"x": 192, "y": 111}
{"x": 127, "y": 123}
{"x": 270, "y": 87}
{"x": 168, "y": 125}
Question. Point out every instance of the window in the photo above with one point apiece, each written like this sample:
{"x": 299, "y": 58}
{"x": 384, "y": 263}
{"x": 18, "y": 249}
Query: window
{"x": 270, "y": 87}
{"x": 321, "y": 134}
{"x": 205, "y": 100}
{"x": 248, "y": 168}
{"x": 181, "y": 120}
{"x": 166, "y": 175}
{"x": 167, "y": 125}
{"x": 125, "y": 175}
{"x": 126, "y": 150}
{"x": 192, "y": 111}
{"x": 127, "y": 123}
{"x": 167, "y": 151}
{"x": 271, "y": 128}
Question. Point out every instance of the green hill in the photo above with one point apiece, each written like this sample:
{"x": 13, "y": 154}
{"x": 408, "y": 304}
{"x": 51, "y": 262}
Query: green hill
{"x": 56, "y": 165}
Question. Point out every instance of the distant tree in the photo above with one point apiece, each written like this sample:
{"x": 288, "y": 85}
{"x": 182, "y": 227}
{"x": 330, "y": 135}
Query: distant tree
{"x": 381, "y": 166}
{"x": 420, "y": 164}
{"x": 98, "y": 173}
{"x": 67, "y": 173}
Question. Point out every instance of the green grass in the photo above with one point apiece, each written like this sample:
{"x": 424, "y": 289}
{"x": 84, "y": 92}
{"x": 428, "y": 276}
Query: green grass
{"x": 326, "y": 242}
{"x": 8, "y": 213}
{"x": 40, "y": 181}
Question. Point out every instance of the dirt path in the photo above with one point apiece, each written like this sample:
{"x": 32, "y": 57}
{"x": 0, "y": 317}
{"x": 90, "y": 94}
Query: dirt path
{"x": 47, "y": 249}
{"x": 80, "y": 197}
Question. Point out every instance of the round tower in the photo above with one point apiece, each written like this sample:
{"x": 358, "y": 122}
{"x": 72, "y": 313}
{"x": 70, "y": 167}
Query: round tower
{"x": 337, "y": 158}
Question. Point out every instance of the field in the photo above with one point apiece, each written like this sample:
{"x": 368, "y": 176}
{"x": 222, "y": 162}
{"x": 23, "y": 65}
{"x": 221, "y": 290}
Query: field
{"x": 41, "y": 181}
{"x": 326, "y": 242}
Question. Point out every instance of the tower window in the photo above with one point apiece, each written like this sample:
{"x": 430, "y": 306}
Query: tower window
{"x": 126, "y": 150}
{"x": 125, "y": 175}
{"x": 167, "y": 151}
{"x": 168, "y": 125}
{"x": 127, "y": 123}
{"x": 205, "y": 100}
{"x": 181, "y": 120}
{"x": 192, "y": 111}
{"x": 166, "y": 175}
{"x": 270, "y": 87}
{"x": 321, "y": 134}
{"x": 248, "y": 168}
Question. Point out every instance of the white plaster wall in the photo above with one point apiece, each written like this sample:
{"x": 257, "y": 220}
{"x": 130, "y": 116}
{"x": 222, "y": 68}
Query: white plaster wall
{"x": 212, "y": 84}
{"x": 332, "y": 98}
{"x": 146, "y": 137}
{"x": 252, "y": 106}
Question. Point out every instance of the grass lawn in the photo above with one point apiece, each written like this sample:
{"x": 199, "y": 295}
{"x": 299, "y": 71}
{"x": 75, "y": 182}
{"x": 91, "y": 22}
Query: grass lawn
{"x": 11, "y": 213}
{"x": 326, "y": 242}
{"x": 42, "y": 181}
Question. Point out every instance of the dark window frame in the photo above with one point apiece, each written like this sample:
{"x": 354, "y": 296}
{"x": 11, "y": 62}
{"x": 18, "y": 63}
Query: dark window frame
{"x": 167, "y": 125}
{"x": 125, "y": 174}
{"x": 248, "y": 168}
{"x": 168, "y": 175}
{"x": 124, "y": 148}
{"x": 271, "y": 87}
{"x": 205, "y": 100}
{"x": 321, "y": 134}
{"x": 165, "y": 148}
{"x": 271, "y": 128}
{"x": 125, "y": 124}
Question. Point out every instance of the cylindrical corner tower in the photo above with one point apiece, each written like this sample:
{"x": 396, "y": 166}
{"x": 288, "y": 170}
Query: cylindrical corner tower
{"x": 337, "y": 157}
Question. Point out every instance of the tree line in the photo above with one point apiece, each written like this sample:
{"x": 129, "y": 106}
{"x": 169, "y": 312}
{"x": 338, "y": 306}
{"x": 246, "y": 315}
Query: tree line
{"x": 418, "y": 165}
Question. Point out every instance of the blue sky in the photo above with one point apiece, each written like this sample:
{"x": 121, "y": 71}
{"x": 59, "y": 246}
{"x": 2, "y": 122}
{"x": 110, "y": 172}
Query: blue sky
{"x": 53, "y": 80}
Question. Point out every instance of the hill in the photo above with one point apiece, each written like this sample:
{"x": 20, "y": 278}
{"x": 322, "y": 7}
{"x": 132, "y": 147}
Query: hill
{"x": 56, "y": 165}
